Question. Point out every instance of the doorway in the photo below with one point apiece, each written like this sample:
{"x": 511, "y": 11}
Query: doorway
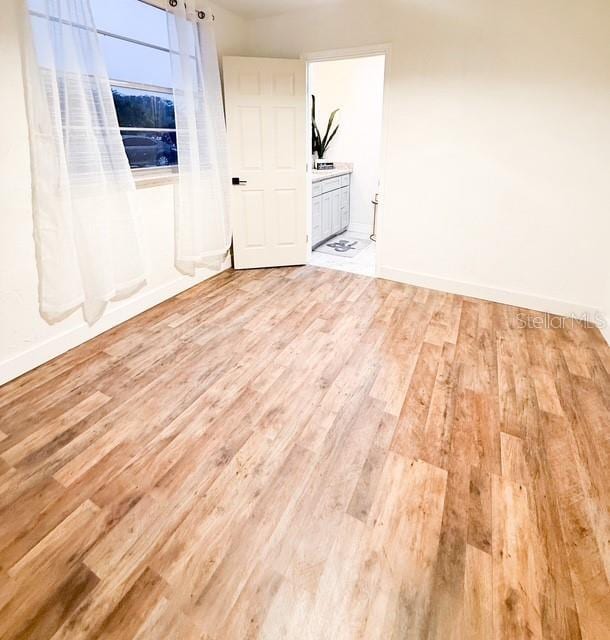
{"x": 346, "y": 94}
{"x": 284, "y": 213}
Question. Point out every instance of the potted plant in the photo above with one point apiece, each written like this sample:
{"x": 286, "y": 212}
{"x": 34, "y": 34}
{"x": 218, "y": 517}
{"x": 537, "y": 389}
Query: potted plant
{"x": 320, "y": 144}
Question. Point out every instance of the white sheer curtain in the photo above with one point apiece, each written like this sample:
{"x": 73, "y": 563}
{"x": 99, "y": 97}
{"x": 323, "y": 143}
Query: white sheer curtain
{"x": 84, "y": 222}
{"x": 203, "y": 233}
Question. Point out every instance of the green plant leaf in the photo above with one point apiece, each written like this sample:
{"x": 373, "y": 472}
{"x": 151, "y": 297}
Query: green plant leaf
{"x": 325, "y": 140}
{"x": 316, "y": 142}
{"x": 319, "y": 145}
{"x": 332, "y": 135}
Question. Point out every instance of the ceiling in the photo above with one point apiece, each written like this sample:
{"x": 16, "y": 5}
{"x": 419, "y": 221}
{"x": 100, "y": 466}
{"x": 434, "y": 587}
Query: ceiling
{"x": 263, "y": 8}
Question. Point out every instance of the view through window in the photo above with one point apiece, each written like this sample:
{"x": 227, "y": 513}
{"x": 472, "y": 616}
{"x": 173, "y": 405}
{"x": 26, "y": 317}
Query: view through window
{"x": 148, "y": 127}
{"x": 134, "y": 41}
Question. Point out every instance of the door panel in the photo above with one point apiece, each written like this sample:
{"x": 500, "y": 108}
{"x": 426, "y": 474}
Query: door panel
{"x": 254, "y": 202}
{"x": 286, "y": 202}
{"x": 344, "y": 218}
{"x": 345, "y": 196}
{"x": 266, "y": 125}
{"x": 344, "y": 207}
{"x": 250, "y": 153}
{"x": 249, "y": 82}
{"x": 327, "y": 215}
{"x": 336, "y": 209}
{"x": 284, "y": 130}
{"x": 316, "y": 220}
{"x": 283, "y": 84}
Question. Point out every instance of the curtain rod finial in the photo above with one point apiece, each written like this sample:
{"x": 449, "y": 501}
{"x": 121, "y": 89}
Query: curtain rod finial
{"x": 200, "y": 14}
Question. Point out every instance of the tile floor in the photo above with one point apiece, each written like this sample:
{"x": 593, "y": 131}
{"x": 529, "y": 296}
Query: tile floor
{"x": 363, "y": 263}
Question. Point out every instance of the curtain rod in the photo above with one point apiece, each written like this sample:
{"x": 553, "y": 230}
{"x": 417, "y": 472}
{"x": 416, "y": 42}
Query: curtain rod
{"x": 200, "y": 14}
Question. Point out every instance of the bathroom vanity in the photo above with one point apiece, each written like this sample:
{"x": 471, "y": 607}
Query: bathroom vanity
{"x": 330, "y": 191}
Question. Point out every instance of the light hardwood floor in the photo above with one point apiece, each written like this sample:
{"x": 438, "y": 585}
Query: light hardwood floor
{"x": 305, "y": 454}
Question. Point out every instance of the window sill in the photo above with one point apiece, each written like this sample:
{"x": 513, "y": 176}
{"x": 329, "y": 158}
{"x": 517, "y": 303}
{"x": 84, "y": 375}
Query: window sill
{"x": 156, "y": 177}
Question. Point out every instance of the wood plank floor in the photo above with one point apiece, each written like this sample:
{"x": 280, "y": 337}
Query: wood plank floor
{"x": 306, "y": 454}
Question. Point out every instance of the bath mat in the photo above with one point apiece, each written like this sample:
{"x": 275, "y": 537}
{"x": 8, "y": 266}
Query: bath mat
{"x": 344, "y": 246}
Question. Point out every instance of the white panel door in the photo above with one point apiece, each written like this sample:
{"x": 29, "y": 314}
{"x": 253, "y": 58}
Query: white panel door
{"x": 266, "y": 125}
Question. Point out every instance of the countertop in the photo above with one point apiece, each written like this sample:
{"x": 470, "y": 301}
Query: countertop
{"x": 341, "y": 169}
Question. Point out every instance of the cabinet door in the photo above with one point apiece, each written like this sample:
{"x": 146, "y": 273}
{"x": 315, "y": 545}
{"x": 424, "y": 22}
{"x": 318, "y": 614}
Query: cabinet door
{"x": 336, "y": 207}
{"x": 316, "y": 220}
{"x": 344, "y": 218}
{"x": 327, "y": 222}
{"x": 344, "y": 207}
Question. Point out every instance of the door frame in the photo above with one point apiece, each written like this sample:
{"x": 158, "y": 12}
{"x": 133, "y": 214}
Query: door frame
{"x": 365, "y": 51}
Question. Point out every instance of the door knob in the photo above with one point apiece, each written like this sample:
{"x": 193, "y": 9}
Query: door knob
{"x": 237, "y": 181}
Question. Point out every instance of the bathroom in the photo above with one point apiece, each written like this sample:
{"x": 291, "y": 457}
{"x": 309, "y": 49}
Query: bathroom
{"x": 346, "y": 104}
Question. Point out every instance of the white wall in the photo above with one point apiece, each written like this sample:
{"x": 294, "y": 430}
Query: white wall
{"x": 497, "y": 156}
{"x": 498, "y": 146}
{"x": 356, "y": 87}
{"x": 26, "y": 340}
{"x": 230, "y": 29}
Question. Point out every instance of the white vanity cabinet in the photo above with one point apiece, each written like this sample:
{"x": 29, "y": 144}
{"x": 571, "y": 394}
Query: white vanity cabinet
{"x": 330, "y": 208}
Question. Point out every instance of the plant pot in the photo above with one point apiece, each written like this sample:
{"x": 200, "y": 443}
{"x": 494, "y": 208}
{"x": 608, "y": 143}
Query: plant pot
{"x": 322, "y": 161}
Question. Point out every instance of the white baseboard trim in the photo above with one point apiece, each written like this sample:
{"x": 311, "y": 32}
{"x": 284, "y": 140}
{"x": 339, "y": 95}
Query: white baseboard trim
{"x": 39, "y": 354}
{"x": 513, "y": 298}
{"x": 119, "y": 312}
{"x": 359, "y": 227}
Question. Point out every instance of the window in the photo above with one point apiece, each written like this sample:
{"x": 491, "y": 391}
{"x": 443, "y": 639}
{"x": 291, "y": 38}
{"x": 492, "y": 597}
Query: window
{"x": 133, "y": 37}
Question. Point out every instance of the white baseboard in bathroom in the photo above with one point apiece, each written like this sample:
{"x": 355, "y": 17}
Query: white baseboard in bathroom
{"x": 116, "y": 314}
{"x": 513, "y": 298}
{"x": 358, "y": 227}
